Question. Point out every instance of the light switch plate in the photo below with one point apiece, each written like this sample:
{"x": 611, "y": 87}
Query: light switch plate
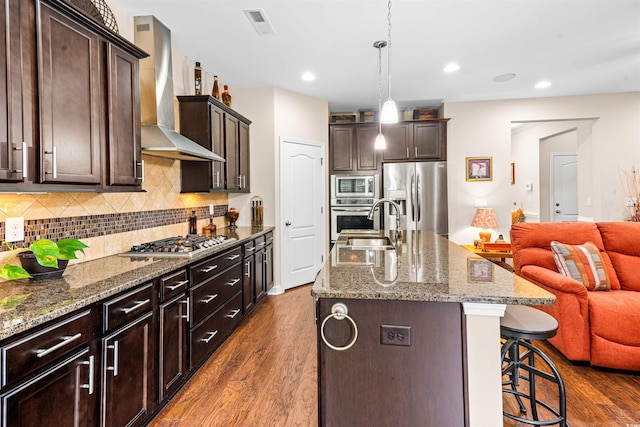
{"x": 14, "y": 229}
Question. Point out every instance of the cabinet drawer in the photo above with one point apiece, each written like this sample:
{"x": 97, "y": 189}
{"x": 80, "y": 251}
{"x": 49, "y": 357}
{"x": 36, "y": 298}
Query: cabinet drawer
{"x": 213, "y": 330}
{"x": 260, "y": 242}
{"x": 211, "y": 294}
{"x": 214, "y": 265}
{"x": 22, "y": 357}
{"x": 173, "y": 284}
{"x": 269, "y": 237}
{"x": 118, "y": 311}
{"x": 249, "y": 248}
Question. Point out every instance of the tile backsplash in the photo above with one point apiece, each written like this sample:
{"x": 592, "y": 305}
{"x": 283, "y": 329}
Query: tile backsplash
{"x": 111, "y": 223}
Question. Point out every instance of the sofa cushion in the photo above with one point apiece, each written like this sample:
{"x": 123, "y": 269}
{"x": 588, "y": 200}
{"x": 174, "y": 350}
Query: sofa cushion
{"x": 582, "y": 263}
{"x": 622, "y": 243}
{"x": 531, "y": 244}
{"x": 614, "y": 316}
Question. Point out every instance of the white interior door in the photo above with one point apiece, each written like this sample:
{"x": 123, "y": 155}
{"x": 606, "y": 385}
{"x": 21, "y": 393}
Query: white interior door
{"x": 564, "y": 202}
{"x": 302, "y": 214}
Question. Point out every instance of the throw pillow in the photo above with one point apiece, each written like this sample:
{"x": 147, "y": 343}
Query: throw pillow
{"x": 582, "y": 263}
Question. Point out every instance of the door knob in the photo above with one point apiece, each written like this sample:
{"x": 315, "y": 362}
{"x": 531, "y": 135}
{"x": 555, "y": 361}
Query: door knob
{"x": 558, "y": 211}
{"x": 557, "y": 204}
{"x": 288, "y": 223}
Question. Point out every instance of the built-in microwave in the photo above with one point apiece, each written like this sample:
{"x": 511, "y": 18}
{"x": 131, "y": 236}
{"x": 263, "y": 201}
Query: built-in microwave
{"x": 353, "y": 186}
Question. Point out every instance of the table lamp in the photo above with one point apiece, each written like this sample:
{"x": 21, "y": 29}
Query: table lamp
{"x": 485, "y": 218}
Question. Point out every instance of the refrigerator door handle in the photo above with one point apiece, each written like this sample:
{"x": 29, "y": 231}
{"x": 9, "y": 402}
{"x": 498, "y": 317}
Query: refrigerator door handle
{"x": 419, "y": 196}
{"x": 413, "y": 198}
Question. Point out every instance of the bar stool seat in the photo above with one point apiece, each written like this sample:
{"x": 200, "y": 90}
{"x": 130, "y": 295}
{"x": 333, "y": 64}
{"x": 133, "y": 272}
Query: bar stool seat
{"x": 519, "y": 325}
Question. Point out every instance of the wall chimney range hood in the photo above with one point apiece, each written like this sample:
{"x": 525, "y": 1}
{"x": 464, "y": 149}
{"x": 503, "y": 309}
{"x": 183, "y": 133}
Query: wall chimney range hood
{"x": 158, "y": 135}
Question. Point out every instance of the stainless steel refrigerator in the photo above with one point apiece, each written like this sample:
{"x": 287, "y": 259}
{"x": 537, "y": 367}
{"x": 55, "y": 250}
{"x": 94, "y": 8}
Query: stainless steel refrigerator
{"x": 420, "y": 189}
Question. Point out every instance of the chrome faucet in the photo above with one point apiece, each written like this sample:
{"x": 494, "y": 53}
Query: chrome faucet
{"x": 391, "y": 202}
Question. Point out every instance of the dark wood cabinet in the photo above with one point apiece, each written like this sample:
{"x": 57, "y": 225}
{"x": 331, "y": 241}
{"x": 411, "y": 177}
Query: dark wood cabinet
{"x": 268, "y": 262}
{"x": 123, "y": 119}
{"x": 18, "y": 92}
{"x": 173, "y": 317}
{"x": 352, "y": 145}
{"x": 220, "y": 129}
{"x": 257, "y": 268}
{"x": 426, "y": 366}
{"x": 352, "y": 148}
{"x": 69, "y": 102}
{"x": 63, "y": 395}
{"x": 248, "y": 268}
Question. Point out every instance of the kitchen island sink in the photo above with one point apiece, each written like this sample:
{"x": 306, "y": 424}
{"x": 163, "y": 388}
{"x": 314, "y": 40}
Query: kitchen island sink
{"x": 410, "y": 335}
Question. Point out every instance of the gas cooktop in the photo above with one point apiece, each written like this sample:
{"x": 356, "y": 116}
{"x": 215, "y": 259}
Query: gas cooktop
{"x": 178, "y": 246}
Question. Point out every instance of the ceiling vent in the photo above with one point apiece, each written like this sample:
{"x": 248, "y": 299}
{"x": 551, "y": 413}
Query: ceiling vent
{"x": 259, "y": 21}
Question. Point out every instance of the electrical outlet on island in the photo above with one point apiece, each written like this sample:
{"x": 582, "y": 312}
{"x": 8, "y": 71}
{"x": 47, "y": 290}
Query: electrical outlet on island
{"x": 14, "y": 229}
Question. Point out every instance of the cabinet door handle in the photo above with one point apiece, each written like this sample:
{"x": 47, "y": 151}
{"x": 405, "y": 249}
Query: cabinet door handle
{"x": 209, "y": 268}
{"x": 209, "y": 299}
{"x": 232, "y": 257}
{"x": 186, "y": 301}
{"x": 135, "y": 307}
{"x": 54, "y": 162}
{"x": 177, "y": 285}
{"x": 90, "y": 385}
{"x": 114, "y": 368}
{"x": 248, "y": 266}
{"x": 217, "y": 178}
{"x": 25, "y": 164}
{"x": 141, "y": 164}
{"x": 65, "y": 340}
{"x": 233, "y": 313}
{"x": 232, "y": 283}
{"x": 209, "y": 338}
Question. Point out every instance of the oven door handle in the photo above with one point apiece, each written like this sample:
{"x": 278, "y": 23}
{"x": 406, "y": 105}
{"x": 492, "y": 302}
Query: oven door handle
{"x": 350, "y": 209}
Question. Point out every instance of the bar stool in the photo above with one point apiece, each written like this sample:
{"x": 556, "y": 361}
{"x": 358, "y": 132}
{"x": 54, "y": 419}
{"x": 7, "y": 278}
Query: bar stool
{"x": 519, "y": 325}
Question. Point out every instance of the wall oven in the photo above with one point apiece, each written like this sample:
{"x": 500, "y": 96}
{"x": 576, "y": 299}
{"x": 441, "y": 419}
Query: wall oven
{"x": 351, "y": 214}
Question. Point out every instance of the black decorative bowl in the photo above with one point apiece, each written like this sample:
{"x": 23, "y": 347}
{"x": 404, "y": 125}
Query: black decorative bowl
{"x": 40, "y": 272}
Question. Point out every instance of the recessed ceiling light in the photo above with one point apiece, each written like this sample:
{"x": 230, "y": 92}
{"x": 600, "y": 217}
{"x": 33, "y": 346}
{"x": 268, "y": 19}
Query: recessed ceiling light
{"x": 543, "y": 84}
{"x": 504, "y": 77}
{"x": 450, "y": 68}
{"x": 308, "y": 77}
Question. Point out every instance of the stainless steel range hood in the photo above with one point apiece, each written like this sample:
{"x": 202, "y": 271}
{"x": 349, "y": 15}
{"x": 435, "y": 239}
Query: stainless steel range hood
{"x": 158, "y": 136}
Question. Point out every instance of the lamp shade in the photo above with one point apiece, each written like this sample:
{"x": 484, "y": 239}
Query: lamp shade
{"x": 381, "y": 142}
{"x": 485, "y": 218}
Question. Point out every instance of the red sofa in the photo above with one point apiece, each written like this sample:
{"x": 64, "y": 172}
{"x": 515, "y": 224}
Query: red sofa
{"x": 602, "y": 327}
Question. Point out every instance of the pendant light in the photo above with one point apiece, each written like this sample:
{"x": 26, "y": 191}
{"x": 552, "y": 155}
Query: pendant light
{"x": 389, "y": 113}
{"x": 381, "y": 142}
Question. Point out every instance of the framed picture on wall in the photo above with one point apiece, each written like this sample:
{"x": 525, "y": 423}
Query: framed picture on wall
{"x": 479, "y": 169}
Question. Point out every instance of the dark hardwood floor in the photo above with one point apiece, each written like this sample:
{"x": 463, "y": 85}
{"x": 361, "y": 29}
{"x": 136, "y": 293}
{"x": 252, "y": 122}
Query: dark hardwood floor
{"x": 265, "y": 375}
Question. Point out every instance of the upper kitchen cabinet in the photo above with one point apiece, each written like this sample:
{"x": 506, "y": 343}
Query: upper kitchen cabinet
{"x": 222, "y": 130}
{"x": 72, "y": 120}
{"x": 416, "y": 141}
{"x": 352, "y": 148}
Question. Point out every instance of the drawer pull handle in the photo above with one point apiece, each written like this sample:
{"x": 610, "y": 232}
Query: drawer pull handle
{"x": 262, "y": 244}
{"x": 232, "y": 257}
{"x": 209, "y": 268}
{"x": 233, "y": 313}
{"x": 250, "y": 249}
{"x": 177, "y": 285}
{"x": 232, "y": 283}
{"x": 209, "y": 338}
{"x": 65, "y": 340}
{"x": 114, "y": 368}
{"x": 209, "y": 299}
{"x": 135, "y": 307}
{"x": 91, "y": 364}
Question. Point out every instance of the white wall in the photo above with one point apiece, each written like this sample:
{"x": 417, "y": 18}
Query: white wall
{"x": 483, "y": 129}
{"x": 275, "y": 113}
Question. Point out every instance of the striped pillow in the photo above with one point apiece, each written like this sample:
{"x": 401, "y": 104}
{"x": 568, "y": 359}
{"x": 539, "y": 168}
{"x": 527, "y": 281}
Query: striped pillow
{"x": 582, "y": 263}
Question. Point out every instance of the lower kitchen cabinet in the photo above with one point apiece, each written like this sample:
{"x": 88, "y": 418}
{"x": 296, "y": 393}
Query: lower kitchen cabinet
{"x": 127, "y": 371}
{"x": 63, "y": 395}
{"x": 172, "y": 345}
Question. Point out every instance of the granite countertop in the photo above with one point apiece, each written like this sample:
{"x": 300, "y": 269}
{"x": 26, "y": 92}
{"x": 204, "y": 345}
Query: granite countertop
{"x": 422, "y": 267}
{"x": 25, "y": 304}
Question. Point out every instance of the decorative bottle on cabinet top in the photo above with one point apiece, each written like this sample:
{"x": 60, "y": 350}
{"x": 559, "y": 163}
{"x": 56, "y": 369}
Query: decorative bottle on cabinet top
{"x": 226, "y": 96}
{"x": 216, "y": 91}
{"x": 197, "y": 74}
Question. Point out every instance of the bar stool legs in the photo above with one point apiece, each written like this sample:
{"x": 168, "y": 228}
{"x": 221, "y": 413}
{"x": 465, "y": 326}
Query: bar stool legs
{"x": 518, "y": 363}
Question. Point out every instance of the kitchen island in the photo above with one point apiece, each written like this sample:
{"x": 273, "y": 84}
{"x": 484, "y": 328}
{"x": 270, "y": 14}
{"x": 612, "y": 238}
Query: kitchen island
{"x": 419, "y": 343}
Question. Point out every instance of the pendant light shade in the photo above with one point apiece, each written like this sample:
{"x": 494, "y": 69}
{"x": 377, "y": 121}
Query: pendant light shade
{"x": 381, "y": 143}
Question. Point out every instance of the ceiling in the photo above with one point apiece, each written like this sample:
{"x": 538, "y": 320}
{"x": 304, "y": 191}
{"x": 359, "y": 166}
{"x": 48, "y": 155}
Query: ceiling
{"x": 579, "y": 46}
